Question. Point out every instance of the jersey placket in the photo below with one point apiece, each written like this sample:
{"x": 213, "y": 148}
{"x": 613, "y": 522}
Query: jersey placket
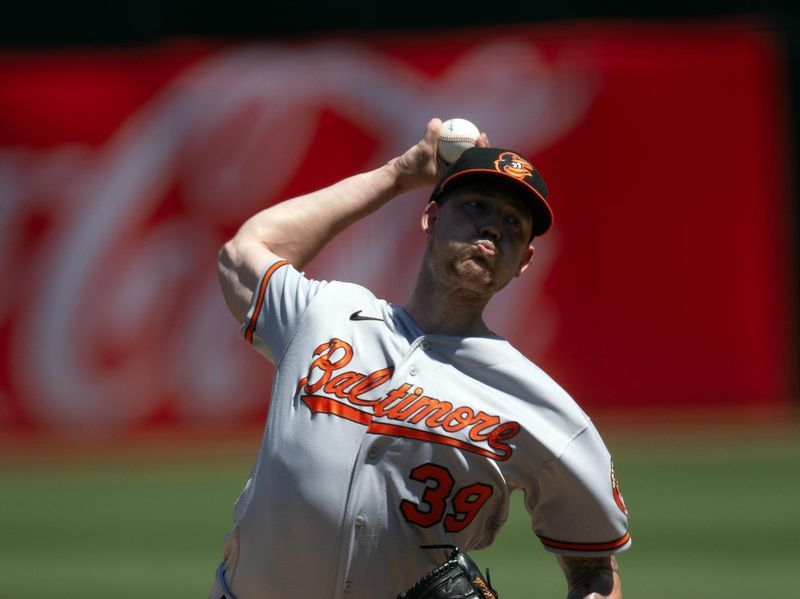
{"x": 366, "y": 509}
{"x": 365, "y": 516}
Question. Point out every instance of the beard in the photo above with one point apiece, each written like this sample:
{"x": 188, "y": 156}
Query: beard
{"x": 460, "y": 266}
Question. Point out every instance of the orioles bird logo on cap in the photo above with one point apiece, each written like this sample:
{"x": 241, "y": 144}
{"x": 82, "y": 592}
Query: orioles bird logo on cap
{"x": 514, "y": 165}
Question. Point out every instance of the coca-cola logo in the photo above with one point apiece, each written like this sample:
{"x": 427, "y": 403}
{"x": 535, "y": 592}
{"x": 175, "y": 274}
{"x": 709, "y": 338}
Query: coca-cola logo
{"x": 112, "y": 316}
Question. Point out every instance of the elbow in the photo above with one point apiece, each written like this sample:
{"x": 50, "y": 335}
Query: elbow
{"x": 229, "y": 274}
{"x": 232, "y": 257}
{"x": 228, "y": 263}
{"x": 226, "y": 255}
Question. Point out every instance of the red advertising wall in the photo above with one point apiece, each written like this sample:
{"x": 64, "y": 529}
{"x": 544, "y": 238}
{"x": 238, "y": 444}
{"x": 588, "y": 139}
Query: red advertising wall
{"x": 665, "y": 281}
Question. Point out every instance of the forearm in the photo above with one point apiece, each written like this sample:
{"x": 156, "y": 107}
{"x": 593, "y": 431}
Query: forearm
{"x": 297, "y": 229}
{"x": 591, "y": 577}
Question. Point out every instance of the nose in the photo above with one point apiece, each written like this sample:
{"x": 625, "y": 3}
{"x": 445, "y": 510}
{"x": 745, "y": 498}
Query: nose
{"x": 490, "y": 226}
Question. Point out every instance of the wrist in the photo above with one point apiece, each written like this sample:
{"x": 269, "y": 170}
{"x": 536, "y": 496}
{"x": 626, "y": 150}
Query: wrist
{"x": 399, "y": 180}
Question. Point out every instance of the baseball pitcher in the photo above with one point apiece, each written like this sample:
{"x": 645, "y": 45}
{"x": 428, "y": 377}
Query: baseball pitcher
{"x": 396, "y": 434}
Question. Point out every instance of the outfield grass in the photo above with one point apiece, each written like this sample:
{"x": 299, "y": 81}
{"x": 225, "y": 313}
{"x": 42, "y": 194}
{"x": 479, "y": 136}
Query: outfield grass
{"x": 709, "y": 519}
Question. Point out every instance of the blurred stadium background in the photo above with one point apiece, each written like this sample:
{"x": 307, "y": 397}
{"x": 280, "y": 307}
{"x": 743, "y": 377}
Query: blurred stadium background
{"x": 134, "y": 138}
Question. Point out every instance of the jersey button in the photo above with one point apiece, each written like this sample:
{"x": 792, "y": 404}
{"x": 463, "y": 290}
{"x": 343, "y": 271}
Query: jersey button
{"x": 360, "y": 520}
{"x": 425, "y": 345}
{"x": 373, "y": 452}
{"x": 412, "y": 371}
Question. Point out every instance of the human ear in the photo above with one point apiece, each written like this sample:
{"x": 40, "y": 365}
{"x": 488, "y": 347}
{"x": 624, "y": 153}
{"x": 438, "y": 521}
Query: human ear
{"x": 527, "y": 258}
{"x": 429, "y": 217}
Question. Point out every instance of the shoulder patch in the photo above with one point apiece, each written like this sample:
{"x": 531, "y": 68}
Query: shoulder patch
{"x": 617, "y": 493}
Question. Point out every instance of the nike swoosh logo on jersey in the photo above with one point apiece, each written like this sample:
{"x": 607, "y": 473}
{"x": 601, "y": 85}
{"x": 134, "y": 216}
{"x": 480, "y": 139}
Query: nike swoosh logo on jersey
{"x": 357, "y": 316}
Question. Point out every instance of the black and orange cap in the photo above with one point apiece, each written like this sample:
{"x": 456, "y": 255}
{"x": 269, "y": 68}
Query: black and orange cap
{"x": 484, "y": 164}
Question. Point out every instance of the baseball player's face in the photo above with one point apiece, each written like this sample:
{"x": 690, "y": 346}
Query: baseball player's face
{"x": 478, "y": 238}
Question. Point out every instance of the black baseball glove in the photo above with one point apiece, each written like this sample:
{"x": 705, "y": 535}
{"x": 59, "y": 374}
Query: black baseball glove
{"x": 457, "y": 578}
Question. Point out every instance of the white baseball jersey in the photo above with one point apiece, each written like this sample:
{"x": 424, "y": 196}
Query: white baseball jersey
{"x": 380, "y": 438}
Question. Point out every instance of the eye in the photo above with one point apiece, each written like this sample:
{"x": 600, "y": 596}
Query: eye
{"x": 475, "y": 204}
{"x": 515, "y": 220}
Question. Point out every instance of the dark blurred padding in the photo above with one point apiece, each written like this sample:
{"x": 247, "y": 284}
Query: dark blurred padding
{"x": 97, "y": 22}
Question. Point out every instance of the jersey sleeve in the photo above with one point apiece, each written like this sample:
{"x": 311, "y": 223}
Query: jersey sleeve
{"x": 277, "y": 308}
{"x": 575, "y": 503}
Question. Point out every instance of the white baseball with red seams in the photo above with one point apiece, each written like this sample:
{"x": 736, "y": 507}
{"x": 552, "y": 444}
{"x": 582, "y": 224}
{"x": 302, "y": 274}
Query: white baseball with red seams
{"x": 456, "y": 136}
{"x": 381, "y": 438}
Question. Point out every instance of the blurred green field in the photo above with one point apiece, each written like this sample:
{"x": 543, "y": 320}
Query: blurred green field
{"x": 715, "y": 518}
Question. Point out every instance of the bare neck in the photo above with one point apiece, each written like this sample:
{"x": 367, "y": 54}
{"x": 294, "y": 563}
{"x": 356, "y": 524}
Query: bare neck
{"x": 441, "y": 311}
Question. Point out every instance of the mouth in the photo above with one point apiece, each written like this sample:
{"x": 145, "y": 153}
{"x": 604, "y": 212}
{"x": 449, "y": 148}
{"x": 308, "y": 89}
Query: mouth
{"x": 485, "y": 247}
{"x": 483, "y": 253}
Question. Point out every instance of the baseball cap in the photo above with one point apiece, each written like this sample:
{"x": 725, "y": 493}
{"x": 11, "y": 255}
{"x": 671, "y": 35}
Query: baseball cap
{"x": 487, "y": 165}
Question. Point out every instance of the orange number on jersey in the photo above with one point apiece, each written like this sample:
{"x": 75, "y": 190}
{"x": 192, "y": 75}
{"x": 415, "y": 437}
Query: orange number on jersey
{"x": 435, "y": 497}
{"x": 466, "y": 502}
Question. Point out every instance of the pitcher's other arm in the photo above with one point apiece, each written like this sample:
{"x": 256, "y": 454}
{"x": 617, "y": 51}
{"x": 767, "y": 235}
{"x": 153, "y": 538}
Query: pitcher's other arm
{"x": 591, "y": 577}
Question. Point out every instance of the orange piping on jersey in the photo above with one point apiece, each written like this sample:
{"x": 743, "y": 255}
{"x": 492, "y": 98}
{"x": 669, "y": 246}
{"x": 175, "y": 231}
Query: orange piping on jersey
{"x": 262, "y": 291}
{"x": 607, "y": 546}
